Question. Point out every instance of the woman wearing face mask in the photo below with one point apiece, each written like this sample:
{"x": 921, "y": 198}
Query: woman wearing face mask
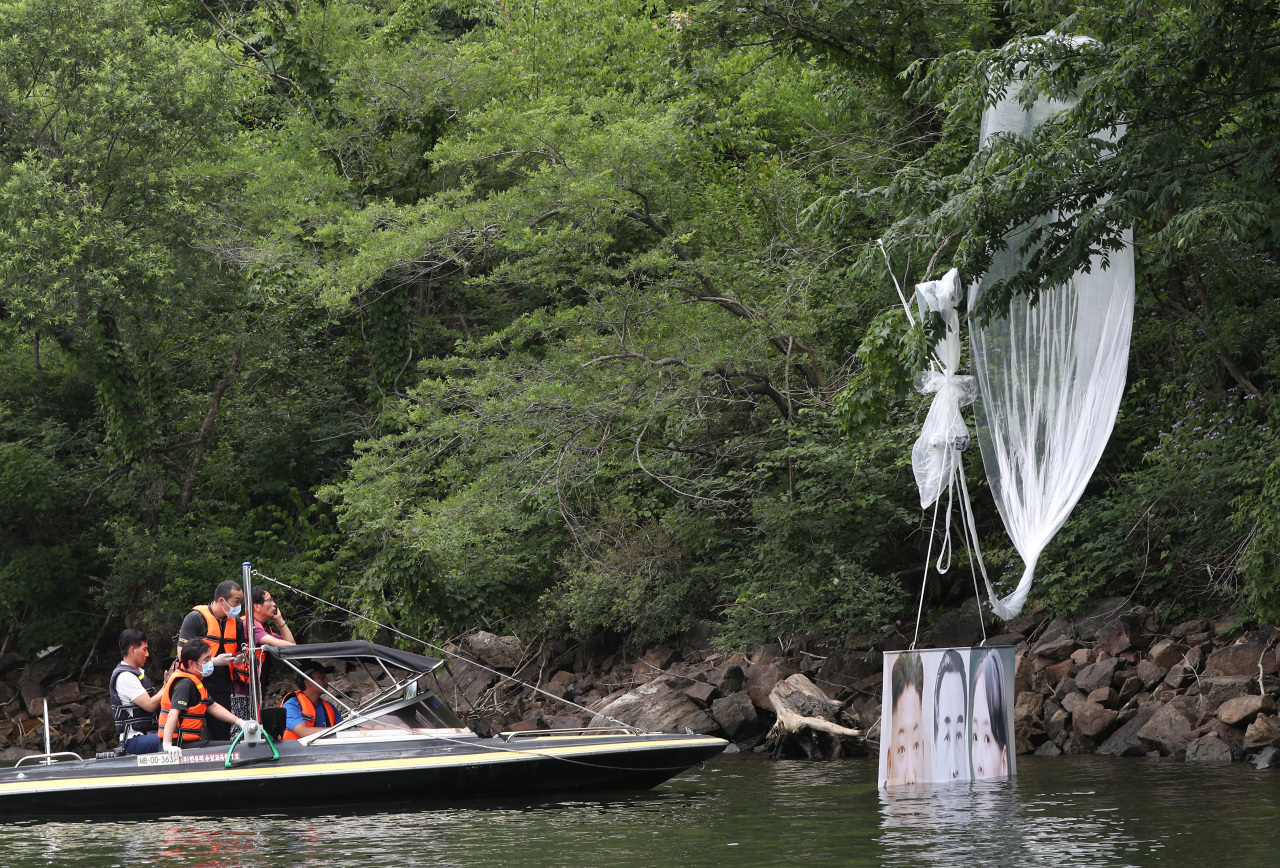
{"x": 185, "y": 702}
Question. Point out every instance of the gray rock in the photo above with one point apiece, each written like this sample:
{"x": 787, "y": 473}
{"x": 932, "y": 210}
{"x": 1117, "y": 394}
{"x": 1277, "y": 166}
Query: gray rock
{"x": 1241, "y": 660}
{"x": 1150, "y": 673}
{"x": 844, "y": 668}
{"x": 1182, "y": 631}
{"x": 1215, "y": 691}
{"x": 1055, "y": 648}
{"x": 1210, "y": 749}
{"x": 1048, "y": 749}
{"x": 1243, "y": 709}
{"x": 729, "y": 679}
{"x": 761, "y": 678}
{"x": 1267, "y": 758}
{"x": 67, "y": 691}
{"x": 1164, "y": 730}
{"x": 735, "y": 714}
{"x": 1001, "y": 639}
{"x": 1105, "y": 696}
{"x": 1097, "y": 675}
{"x": 1166, "y": 653}
{"x": 1115, "y": 638}
{"x": 1124, "y": 741}
{"x": 959, "y": 628}
{"x": 500, "y": 652}
{"x": 464, "y": 683}
{"x": 1180, "y": 676}
{"x": 1263, "y": 732}
{"x": 1132, "y": 687}
{"x": 1101, "y": 614}
{"x": 656, "y": 707}
{"x": 1091, "y": 720}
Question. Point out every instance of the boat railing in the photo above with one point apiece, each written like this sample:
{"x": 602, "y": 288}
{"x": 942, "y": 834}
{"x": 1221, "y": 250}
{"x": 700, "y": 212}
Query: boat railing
{"x": 48, "y": 759}
{"x": 586, "y": 730}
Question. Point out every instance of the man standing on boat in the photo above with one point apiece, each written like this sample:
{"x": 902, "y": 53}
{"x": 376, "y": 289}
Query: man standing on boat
{"x": 133, "y": 701}
{"x": 269, "y": 628}
{"x": 186, "y": 708}
{"x": 306, "y": 710}
{"x": 219, "y": 627}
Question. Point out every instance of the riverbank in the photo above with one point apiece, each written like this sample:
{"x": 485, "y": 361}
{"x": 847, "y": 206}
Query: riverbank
{"x": 1118, "y": 680}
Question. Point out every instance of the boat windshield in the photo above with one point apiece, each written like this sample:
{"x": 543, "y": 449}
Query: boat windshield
{"x": 429, "y": 712}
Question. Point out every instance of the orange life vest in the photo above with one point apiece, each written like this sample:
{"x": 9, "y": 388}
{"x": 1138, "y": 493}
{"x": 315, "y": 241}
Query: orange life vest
{"x": 220, "y": 641}
{"x": 240, "y": 671}
{"x": 191, "y": 721}
{"x": 309, "y": 711}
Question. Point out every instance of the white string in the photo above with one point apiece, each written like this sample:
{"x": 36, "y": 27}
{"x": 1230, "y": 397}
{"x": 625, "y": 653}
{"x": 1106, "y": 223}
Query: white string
{"x": 445, "y": 651}
{"x": 925, "y": 579}
{"x": 911, "y": 320}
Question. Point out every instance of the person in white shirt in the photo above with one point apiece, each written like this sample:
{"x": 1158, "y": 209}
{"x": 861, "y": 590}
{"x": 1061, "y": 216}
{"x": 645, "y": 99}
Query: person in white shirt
{"x": 134, "y": 702}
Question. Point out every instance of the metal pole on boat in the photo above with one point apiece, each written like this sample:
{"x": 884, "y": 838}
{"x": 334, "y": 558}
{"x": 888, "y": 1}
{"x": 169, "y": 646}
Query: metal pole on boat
{"x": 255, "y": 715}
{"x": 48, "y": 743}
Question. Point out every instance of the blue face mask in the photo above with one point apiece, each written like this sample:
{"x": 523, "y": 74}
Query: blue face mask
{"x": 235, "y": 611}
{"x": 207, "y": 669}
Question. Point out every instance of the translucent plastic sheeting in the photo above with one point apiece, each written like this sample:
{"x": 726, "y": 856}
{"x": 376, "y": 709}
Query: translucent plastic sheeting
{"x": 1050, "y": 379}
{"x": 935, "y": 458}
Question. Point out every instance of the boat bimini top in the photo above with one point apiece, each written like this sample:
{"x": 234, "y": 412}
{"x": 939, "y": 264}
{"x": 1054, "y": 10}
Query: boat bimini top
{"x": 398, "y": 708}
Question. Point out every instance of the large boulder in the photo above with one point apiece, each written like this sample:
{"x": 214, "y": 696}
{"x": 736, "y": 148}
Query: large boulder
{"x": 1242, "y": 710}
{"x": 1241, "y": 660}
{"x": 1105, "y": 612}
{"x": 1117, "y": 637}
{"x": 1166, "y": 653}
{"x": 844, "y": 668}
{"x": 1263, "y": 732}
{"x": 1124, "y": 741}
{"x": 1168, "y": 728}
{"x": 735, "y": 714}
{"x": 1097, "y": 675}
{"x": 1092, "y": 720}
{"x": 1055, "y": 648}
{"x": 762, "y": 677}
{"x": 462, "y": 685}
{"x": 1215, "y": 691}
{"x": 1210, "y": 749}
{"x": 500, "y": 652}
{"x": 655, "y": 707}
{"x": 959, "y": 628}
{"x": 1150, "y": 673}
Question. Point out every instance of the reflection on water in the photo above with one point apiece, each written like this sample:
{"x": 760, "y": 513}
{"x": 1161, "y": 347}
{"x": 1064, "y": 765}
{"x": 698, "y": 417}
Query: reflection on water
{"x": 741, "y": 812}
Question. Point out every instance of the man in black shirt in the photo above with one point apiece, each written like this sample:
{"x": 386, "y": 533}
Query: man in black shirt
{"x": 218, "y": 625}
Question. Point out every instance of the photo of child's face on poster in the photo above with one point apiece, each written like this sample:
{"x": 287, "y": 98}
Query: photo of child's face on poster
{"x": 950, "y": 717}
{"x": 989, "y": 750}
{"x": 907, "y": 758}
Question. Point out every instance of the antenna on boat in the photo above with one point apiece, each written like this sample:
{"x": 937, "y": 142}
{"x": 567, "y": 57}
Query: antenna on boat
{"x": 255, "y": 712}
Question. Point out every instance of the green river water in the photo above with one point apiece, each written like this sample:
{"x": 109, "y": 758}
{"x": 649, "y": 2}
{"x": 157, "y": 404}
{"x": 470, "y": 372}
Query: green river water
{"x": 743, "y": 811}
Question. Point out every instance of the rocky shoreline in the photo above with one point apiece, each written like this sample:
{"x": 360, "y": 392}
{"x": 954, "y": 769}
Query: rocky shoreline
{"x": 1117, "y": 680}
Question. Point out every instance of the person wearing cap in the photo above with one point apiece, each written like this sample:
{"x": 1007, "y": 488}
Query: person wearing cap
{"x": 306, "y": 710}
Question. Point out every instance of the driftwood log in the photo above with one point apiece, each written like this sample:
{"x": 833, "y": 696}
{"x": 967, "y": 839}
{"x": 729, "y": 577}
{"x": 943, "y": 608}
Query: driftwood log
{"x": 807, "y": 722}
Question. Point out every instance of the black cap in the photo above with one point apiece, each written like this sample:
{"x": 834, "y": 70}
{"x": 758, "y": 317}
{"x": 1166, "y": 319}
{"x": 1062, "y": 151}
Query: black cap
{"x": 310, "y": 667}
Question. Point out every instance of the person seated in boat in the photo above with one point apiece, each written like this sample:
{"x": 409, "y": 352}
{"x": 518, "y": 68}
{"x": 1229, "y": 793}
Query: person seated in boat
{"x": 185, "y": 702}
{"x": 306, "y": 709}
{"x": 134, "y": 702}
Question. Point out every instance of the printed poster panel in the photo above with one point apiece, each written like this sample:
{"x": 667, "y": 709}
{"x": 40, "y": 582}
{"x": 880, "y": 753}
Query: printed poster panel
{"x": 947, "y": 715}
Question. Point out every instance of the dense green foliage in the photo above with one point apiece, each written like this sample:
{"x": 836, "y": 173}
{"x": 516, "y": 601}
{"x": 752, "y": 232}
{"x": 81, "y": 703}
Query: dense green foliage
{"x": 570, "y": 316}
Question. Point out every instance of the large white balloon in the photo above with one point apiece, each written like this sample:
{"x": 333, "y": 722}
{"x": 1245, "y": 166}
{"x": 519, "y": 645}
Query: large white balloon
{"x": 1050, "y": 379}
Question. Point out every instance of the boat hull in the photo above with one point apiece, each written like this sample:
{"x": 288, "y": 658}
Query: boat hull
{"x": 444, "y": 770}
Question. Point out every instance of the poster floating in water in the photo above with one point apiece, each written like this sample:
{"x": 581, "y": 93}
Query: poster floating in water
{"x": 947, "y": 716}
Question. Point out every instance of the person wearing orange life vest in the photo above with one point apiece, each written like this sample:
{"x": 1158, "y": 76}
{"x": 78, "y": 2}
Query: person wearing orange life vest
{"x": 185, "y": 703}
{"x": 306, "y": 710}
{"x": 218, "y": 626}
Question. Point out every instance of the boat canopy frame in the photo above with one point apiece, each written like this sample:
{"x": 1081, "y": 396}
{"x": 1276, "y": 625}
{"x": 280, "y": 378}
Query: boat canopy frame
{"x": 414, "y": 665}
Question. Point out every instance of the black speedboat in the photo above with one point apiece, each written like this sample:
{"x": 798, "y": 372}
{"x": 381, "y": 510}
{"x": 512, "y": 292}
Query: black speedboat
{"x": 401, "y": 742}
